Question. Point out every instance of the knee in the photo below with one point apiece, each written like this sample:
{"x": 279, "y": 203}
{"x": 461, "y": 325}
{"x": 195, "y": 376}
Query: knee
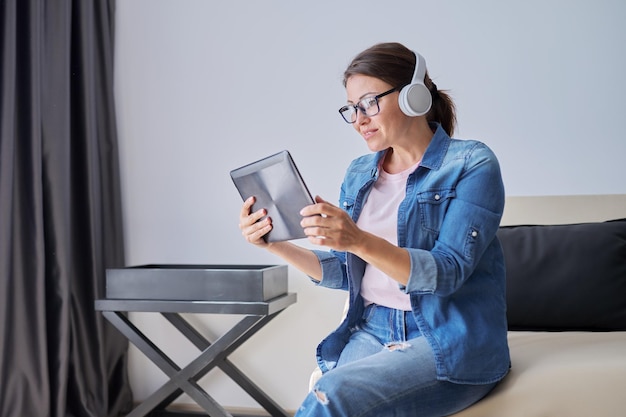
{"x": 325, "y": 385}
{"x": 333, "y": 381}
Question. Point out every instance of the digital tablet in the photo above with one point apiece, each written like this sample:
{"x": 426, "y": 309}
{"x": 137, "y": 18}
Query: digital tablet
{"x": 279, "y": 188}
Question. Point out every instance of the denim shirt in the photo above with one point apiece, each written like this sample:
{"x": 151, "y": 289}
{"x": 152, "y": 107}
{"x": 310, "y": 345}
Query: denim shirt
{"x": 447, "y": 222}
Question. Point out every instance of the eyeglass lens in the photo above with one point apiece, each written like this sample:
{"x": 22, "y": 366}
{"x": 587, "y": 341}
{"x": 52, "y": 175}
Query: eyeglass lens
{"x": 368, "y": 106}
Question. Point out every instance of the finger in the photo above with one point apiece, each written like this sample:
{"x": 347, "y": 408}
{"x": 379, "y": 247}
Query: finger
{"x": 252, "y": 219}
{"x": 255, "y": 233}
{"x": 320, "y": 241}
{"x": 247, "y": 204}
{"x": 322, "y": 207}
{"x": 316, "y": 231}
{"x": 246, "y": 218}
{"x": 316, "y": 221}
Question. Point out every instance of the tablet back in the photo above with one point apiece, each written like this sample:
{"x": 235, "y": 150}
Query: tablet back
{"x": 278, "y": 187}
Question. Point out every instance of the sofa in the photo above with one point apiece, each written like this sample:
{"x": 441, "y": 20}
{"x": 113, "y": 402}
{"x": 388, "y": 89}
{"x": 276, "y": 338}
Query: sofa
{"x": 566, "y": 311}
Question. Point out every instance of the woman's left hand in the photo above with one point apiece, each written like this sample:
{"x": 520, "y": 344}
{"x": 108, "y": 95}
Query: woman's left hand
{"x": 327, "y": 225}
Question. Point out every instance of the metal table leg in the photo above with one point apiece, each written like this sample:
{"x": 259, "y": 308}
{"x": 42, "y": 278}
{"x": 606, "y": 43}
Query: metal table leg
{"x": 227, "y": 366}
{"x": 256, "y": 315}
{"x": 186, "y": 379}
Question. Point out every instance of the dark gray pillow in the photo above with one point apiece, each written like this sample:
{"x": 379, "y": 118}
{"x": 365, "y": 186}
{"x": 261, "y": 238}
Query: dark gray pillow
{"x": 566, "y": 277}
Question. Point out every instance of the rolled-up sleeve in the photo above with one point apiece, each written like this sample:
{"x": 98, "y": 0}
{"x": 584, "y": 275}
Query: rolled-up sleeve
{"x": 423, "y": 277}
{"x": 333, "y": 270}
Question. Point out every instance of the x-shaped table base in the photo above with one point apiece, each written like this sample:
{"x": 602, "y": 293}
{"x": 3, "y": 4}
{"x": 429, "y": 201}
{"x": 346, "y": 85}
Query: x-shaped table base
{"x": 257, "y": 315}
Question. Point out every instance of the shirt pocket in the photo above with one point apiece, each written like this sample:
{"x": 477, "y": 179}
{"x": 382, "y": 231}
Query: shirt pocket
{"x": 433, "y": 205}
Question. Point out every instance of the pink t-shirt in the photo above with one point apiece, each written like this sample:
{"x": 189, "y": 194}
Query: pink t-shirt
{"x": 380, "y": 217}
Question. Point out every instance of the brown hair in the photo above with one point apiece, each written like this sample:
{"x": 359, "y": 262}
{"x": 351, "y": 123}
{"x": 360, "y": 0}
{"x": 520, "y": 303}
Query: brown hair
{"x": 394, "y": 64}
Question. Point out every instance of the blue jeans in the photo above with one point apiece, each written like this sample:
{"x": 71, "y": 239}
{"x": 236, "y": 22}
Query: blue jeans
{"x": 387, "y": 369}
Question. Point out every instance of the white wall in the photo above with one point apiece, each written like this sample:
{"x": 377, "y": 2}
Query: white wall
{"x": 204, "y": 86}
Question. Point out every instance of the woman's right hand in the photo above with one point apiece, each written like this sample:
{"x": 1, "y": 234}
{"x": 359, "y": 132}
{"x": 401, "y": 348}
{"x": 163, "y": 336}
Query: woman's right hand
{"x": 252, "y": 228}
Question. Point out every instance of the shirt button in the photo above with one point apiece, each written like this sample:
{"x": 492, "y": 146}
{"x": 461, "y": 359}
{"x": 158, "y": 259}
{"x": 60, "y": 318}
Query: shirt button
{"x": 437, "y": 197}
{"x": 474, "y": 233}
{"x": 345, "y": 204}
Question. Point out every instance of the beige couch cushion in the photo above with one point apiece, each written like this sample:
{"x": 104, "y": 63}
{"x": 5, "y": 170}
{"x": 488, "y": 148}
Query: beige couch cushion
{"x": 568, "y": 374}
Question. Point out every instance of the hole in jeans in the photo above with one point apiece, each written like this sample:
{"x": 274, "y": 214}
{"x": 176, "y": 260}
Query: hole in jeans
{"x": 393, "y": 346}
{"x": 321, "y": 396}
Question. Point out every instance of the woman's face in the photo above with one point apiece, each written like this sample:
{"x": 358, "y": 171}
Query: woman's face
{"x": 386, "y": 128}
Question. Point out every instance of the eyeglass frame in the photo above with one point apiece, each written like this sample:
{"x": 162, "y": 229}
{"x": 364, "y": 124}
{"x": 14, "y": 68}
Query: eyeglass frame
{"x": 358, "y": 107}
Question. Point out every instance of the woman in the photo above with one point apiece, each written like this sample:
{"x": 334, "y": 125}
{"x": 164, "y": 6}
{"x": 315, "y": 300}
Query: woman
{"x": 414, "y": 242}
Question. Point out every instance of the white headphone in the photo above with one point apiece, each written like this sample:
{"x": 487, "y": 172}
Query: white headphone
{"x": 415, "y": 98}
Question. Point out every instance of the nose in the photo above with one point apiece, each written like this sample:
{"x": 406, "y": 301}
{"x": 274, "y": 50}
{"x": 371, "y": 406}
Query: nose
{"x": 360, "y": 117}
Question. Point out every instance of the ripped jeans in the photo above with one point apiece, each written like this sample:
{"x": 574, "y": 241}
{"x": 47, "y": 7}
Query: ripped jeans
{"x": 387, "y": 369}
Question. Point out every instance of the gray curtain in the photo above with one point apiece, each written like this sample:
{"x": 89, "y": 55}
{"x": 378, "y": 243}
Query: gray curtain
{"x": 60, "y": 211}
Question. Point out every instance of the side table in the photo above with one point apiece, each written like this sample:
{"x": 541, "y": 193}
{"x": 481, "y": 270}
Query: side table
{"x": 255, "y": 315}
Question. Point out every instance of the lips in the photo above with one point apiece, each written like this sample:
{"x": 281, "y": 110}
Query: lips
{"x": 368, "y": 133}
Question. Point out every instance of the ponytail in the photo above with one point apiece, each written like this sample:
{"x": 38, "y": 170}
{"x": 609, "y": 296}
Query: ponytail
{"x": 443, "y": 110}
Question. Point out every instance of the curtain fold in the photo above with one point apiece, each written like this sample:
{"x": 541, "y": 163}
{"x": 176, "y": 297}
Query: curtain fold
{"x": 60, "y": 211}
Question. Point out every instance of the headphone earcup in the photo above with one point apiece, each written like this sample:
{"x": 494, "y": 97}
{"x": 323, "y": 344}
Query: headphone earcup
{"x": 415, "y": 99}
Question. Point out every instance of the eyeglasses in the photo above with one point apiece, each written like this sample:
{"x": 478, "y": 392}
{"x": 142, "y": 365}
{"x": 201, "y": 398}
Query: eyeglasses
{"x": 369, "y": 107}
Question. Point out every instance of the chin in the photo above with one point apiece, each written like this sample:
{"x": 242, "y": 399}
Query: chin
{"x": 375, "y": 147}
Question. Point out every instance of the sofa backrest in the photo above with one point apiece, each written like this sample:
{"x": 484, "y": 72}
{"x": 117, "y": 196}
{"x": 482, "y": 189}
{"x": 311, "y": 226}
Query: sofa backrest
{"x": 566, "y": 277}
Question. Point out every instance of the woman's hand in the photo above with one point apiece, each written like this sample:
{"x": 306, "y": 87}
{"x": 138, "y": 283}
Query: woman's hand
{"x": 328, "y": 225}
{"x": 252, "y": 229}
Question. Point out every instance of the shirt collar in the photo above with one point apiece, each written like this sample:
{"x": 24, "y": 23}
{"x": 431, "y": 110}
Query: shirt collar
{"x": 437, "y": 148}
